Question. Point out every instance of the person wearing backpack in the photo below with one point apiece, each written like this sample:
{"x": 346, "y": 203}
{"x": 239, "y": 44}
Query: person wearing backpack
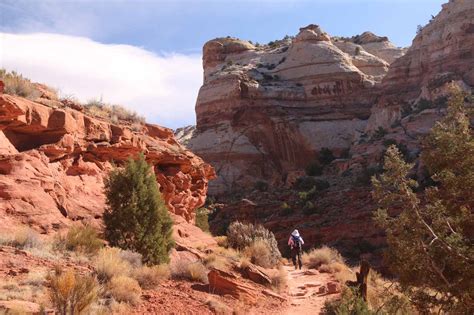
{"x": 296, "y": 245}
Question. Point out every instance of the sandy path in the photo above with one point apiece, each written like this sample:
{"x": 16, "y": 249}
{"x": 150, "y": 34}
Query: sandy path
{"x": 303, "y": 288}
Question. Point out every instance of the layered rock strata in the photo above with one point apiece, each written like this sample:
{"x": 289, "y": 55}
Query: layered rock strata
{"x": 53, "y": 161}
{"x": 264, "y": 112}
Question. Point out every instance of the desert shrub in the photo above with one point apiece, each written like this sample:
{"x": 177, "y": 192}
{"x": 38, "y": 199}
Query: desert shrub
{"x": 430, "y": 241}
{"x": 260, "y": 254}
{"x": 325, "y": 156}
{"x": 357, "y": 51}
{"x": 218, "y": 307}
{"x": 241, "y": 235}
{"x": 150, "y": 277}
{"x": 124, "y": 289}
{"x": 279, "y": 280}
{"x": 348, "y": 303}
{"x": 136, "y": 217}
{"x": 72, "y": 293}
{"x": 379, "y": 133}
{"x": 310, "y": 208}
{"x": 307, "y": 183}
{"x": 16, "y": 84}
{"x": 23, "y": 237}
{"x": 133, "y": 258}
{"x": 307, "y": 195}
{"x": 364, "y": 178}
{"x": 314, "y": 169}
{"x": 215, "y": 261}
{"x": 82, "y": 239}
{"x": 114, "y": 113}
{"x": 285, "y": 209}
{"x": 261, "y": 185}
{"x": 321, "y": 256}
{"x": 221, "y": 241}
{"x": 109, "y": 263}
{"x": 192, "y": 271}
{"x": 202, "y": 219}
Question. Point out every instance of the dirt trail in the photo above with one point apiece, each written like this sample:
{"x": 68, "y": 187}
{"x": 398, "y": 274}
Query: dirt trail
{"x": 303, "y": 291}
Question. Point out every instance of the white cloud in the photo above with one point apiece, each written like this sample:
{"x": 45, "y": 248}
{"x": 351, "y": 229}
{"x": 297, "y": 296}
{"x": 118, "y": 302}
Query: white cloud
{"x": 163, "y": 88}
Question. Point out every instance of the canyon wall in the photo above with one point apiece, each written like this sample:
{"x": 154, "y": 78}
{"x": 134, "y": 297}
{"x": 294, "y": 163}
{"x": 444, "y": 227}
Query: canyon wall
{"x": 53, "y": 161}
{"x": 264, "y": 112}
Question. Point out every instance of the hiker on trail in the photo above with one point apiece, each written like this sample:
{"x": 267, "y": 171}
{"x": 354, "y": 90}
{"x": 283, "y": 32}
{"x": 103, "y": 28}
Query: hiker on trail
{"x": 296, "y": 244}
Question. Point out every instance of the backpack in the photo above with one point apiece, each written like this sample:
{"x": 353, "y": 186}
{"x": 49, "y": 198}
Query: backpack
{"x": 296, "y": 241}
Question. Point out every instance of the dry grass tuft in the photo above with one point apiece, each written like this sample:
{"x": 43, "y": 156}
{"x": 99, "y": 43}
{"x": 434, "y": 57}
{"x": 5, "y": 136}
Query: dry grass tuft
{"x": 280, "y": 280}
{"x": 222, "y": 241}
{"x": 321, "y": 256}
{"x": 214, "y": 260}
{"x": 110, "y": 264}
{"x": 23, "y": 238}
{"x": 334, "y": 267}
{"x": 71, "y": 292}
{"x": 114, "y": 113}
{"x": 150, "y": 277}
{"x": 260, "y": 254}
{"x": 83, "y": 239}
{"x": 193, "y": 271}
{"x": 125, "y": 289}
{"x": 218, "y": 307}
{"x": 16, "y": 84}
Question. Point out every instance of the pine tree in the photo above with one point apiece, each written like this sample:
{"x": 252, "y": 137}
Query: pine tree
{"x": 431, "y": 239}
{"x": 136, "y": 217}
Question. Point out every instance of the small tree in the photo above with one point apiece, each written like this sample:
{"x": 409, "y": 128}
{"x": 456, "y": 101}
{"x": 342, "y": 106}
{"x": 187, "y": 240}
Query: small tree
{"x": 202, "y": 219}
{"x": 430, "y": 241}
{"x": 136, "y": 217}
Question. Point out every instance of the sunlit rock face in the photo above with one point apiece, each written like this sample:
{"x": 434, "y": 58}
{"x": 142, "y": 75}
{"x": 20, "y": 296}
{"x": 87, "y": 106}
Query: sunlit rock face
{"x": 53, "y": 162}
{"x": 264, "y": 112}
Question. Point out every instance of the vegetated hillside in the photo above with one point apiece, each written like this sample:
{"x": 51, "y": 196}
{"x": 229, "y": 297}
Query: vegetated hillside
{"x": 296, "y": 128}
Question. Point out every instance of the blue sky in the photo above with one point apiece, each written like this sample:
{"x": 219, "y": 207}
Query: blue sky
{"x": 171, "y": 35}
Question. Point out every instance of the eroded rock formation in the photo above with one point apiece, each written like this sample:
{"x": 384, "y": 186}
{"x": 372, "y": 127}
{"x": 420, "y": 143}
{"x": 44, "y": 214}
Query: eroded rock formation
{"x": 53, "y": 162}
{"x": 263, "y": 112}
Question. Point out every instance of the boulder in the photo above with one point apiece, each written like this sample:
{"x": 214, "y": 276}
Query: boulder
{"x": 224, "y": 282}
{"x": 256, "y": 274}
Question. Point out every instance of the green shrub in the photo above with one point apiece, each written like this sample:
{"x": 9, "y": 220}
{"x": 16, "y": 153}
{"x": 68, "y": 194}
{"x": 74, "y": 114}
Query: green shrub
{"x": 136, "y": 217}
{"x": 367, "y": 173}
{"x": 202, "y": 219}
{"x": 348, "y": 303}
{"x": 309, "y": 208}
{"x": 314, "y": 169}
{"x": 261, "y": 185}
{"x": 325, "y": 156}
{"x": 241, "y": 236}
{"x": 285, "y": 209}
{"x": 307, "y": 183}
{"x": 379, "y": 133}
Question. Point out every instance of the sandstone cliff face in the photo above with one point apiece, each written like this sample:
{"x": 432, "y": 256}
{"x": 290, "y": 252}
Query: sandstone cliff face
{"x": 271, "y": 134}
{"x": 264, "y": 112}
{"x": 441, "y": 53}
{"x": 53, "y": 162}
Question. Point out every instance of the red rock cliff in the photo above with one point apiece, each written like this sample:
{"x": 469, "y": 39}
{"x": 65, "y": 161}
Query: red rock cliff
{"x": 53, "y": 162}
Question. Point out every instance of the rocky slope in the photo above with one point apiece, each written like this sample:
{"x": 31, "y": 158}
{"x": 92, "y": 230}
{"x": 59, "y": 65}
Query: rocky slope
{"x": 53, "y": 160}
{"x": 262, "y": 111}
{"x": 254, "y": 129}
